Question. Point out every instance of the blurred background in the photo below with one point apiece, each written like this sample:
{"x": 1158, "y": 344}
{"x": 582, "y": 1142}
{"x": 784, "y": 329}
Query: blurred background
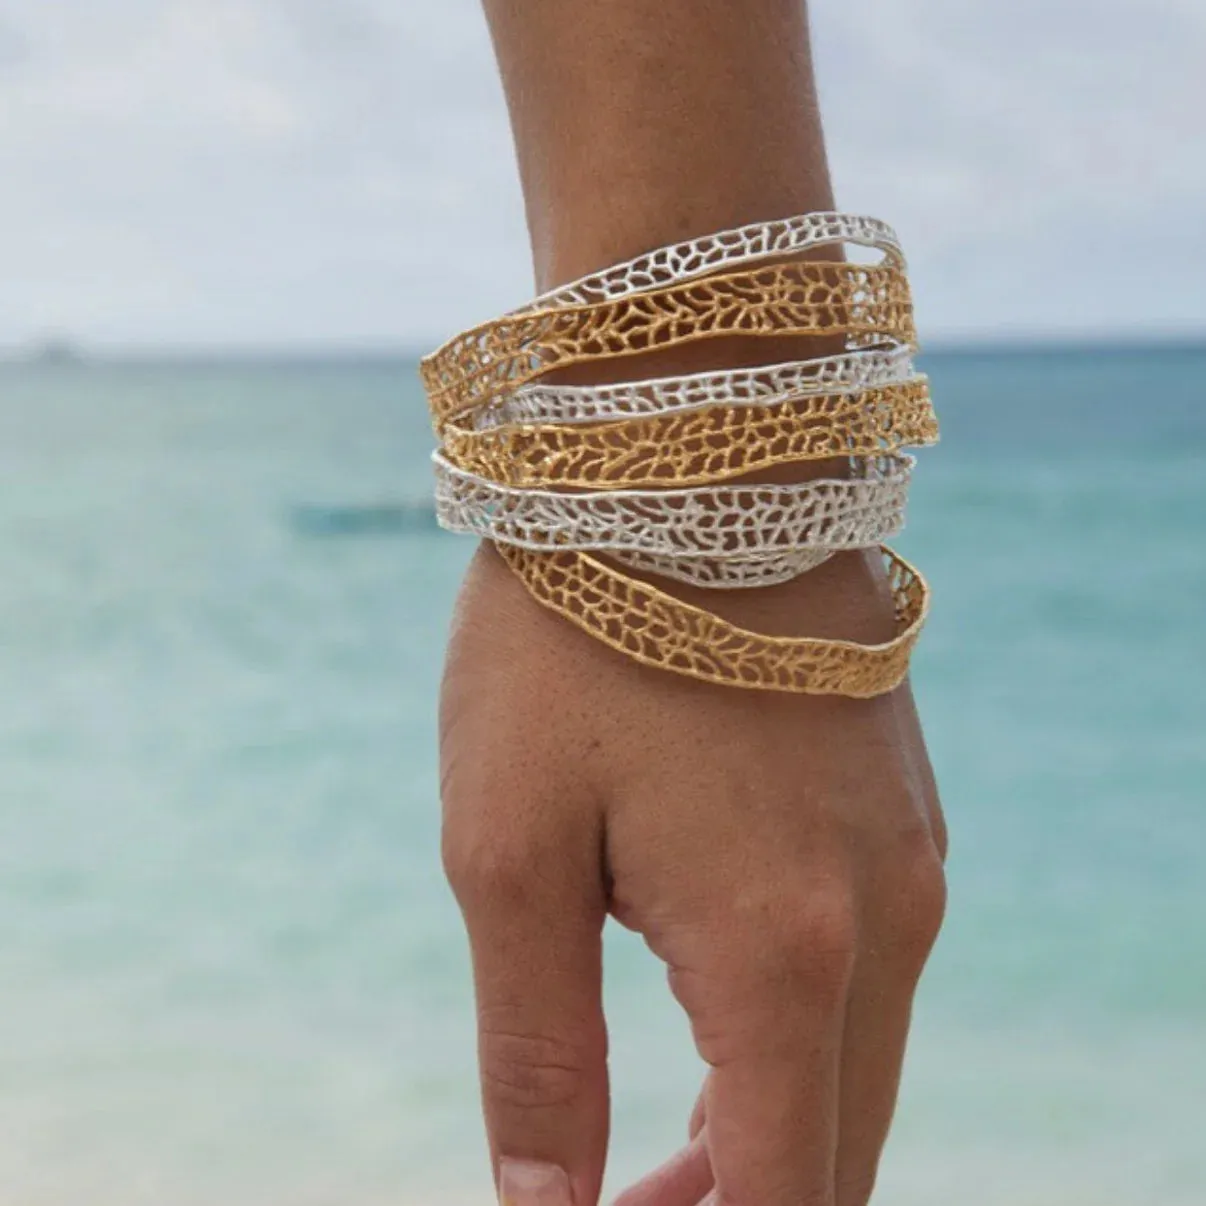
{"x": 229, "y": 970}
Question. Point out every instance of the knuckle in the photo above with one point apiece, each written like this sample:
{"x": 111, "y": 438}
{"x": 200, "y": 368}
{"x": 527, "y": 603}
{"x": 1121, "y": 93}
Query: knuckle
{"x": 531, "y": 1071}
{"x": 789, "y": 934}
{"x": 788, "y": 952}
{"x": 917, "y": 905}
{"x": 827, "y": 928}
{"x": 488, "y": 868}
{"x": 817, "y": 935}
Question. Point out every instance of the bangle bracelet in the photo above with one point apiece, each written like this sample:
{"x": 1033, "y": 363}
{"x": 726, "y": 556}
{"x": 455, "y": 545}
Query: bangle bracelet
{"x": 851, "y": 372}
{"x": 726, "y": 249}
{"x": 698, "y": 446}
{"x": 855, "y": 300}
{"x": 743, "y": 521}
{"x": 727, "y": 573}
{"x": 658, "y": 630}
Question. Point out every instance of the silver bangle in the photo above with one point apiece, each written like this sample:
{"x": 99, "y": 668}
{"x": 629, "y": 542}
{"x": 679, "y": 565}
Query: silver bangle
{"x": 848, "y": 373}
{"x": 748, "y": 525}
{"x": 724, "y": 249}
{"x": 727, "y": 573}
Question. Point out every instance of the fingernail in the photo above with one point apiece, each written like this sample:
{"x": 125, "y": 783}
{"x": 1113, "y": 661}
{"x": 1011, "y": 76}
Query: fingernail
{"x": 530, "y": 1183}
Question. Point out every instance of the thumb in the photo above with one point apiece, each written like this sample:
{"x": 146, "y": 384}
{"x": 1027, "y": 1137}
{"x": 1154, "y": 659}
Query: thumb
{"x": 534, "y": 905}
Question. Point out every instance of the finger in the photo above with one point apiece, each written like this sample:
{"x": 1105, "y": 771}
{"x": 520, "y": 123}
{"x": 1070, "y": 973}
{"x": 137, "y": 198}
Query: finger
{"x": 898, "y": 936}
{"x": 767, "y": 998}
{"x": 534, "y": 906}
{"x": 877, "y": 1024}
{"x": 683, "y": 1180}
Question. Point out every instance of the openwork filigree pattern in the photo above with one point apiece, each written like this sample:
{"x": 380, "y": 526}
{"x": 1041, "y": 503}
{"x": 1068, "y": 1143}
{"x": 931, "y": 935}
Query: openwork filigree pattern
{"x": 656, "y": 629}
{"x": 644, "y": 471}
{"x": 727, "y": 573}
{"x": 718, "y": 252}
{"x": 784, "y": 299}
{"x": 715, "y": 522}
{"x": 699, "y": 446}
{"x": 851, "y": 372}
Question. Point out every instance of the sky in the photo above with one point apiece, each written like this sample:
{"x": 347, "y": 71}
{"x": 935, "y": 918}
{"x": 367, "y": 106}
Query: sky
{"x": 197, "y": 174}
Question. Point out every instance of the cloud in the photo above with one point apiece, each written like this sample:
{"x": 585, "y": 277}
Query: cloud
{"x": 1049, "y": 169}
{"x": 222, "y": 172}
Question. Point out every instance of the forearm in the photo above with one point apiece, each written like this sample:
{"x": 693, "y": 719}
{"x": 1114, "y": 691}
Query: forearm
{"x": 638, "y": 123}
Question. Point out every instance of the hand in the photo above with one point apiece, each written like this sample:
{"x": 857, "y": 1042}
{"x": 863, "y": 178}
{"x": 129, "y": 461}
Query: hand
{"x": 781, "y": 854}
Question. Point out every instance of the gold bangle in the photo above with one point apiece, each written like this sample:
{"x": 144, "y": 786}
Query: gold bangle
{"x": 867, "y": 302}
{"x": 700, "y": 446}
{"x": 656, "y": 629}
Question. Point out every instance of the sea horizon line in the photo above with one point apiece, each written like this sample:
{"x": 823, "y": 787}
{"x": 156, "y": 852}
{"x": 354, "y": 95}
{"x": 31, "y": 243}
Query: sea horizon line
{"x": 68, "y": 353}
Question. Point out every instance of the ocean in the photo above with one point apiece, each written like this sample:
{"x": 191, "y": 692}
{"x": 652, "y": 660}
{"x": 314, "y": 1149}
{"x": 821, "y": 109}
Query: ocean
{"x": 229, "y": 969}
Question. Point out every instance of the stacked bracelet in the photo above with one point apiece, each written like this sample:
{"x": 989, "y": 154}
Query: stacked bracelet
{"x": 644, "y": 472}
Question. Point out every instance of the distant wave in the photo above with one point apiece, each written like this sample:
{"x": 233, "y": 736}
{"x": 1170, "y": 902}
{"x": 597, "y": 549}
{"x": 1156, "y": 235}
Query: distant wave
{"x": 374, "y": 519}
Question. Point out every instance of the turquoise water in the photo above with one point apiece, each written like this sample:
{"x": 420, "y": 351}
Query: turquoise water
{"x": 229, "y": 970}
